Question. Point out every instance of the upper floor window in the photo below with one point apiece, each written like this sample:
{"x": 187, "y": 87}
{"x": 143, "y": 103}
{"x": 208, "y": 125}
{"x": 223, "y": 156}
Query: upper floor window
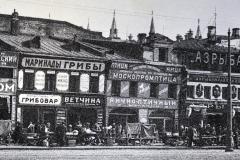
{"x": 172, "y": 91}
{"x": 154, "y": 88}
{"x": 94, "y": 84}
{"x": 163, "y": 54}
{"x": 29, "y": 80}
{"x": 50, "y": 81}
{"x": 133, "y": 89}
{"x": 116, "y": 87}
{"x": 84, "y": 82}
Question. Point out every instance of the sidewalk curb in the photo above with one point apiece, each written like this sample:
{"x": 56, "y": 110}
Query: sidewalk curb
{"x": 112, "y": 148}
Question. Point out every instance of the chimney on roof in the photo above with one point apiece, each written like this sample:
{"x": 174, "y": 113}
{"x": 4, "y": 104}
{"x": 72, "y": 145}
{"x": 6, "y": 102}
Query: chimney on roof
{"x": 130, "y": 37}
{"x": 179, "y": 38}
{"x": 211, "y": 35}
{"x": 235, "y": 33}
{"x": 14, "y": 23}
{"x": 142, "y": 38}
{"x": 190, "y": 34}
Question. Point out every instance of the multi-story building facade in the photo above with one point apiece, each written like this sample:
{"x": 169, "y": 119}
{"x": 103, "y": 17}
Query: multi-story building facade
{"x": 204, "y": 90}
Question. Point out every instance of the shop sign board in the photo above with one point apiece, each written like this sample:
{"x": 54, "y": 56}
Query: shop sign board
{"x": 142, "y": 103}
{"x": 8, "y": 86}
{"x": 144, "y": 76}
{"x": 37, "y": 99}
{"x": 157, "y": 68}
{"x": 62, "y": 81}
{"x": 212, "y": 61}
{"x": 212, "y": 78}
{"x": 83, "y": 100}
{"x": 62, "y": 64}
{"x": 8, "y": 59}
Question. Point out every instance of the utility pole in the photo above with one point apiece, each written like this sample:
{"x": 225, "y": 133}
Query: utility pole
{"x": 229, "y": 138}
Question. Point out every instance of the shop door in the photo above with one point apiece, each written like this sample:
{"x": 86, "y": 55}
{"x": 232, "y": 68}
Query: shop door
{"x": 4, "y": 111}
{"x": 49, "y": 116}
{"x": 160, "y": 124}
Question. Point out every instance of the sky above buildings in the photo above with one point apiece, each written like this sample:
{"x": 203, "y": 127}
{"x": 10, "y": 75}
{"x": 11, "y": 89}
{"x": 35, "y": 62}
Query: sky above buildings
{"x": 171, "y": 17}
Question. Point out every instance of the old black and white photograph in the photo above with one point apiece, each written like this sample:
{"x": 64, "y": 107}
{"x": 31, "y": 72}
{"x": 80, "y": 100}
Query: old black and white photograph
{"x": 119, "y": 80}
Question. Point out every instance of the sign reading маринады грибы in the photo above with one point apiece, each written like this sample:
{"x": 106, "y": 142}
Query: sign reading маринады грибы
{"x": 62, "y": 64}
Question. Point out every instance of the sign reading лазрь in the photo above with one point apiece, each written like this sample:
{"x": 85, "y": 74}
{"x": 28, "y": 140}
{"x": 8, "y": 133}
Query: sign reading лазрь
{"x": 62, "y": 64}
{"x": 36, "y": 99}
{"x": 141, "y": 103}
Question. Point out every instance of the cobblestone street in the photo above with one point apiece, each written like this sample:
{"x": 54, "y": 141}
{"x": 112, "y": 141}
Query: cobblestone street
{"x": 119, "y": 154}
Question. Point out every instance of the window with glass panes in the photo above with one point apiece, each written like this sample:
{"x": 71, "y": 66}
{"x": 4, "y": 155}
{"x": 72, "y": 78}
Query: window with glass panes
{"x": 172, "y": 91}
{"x": 133, "y": 89}
{"x": 74, "y": 82}
{"x": 116, "y": 87}
{"x": 154, "y": 88}
{"x": 50, "y": 82}
{"x": 94, "y": 84}
{"x": 28, "y": 80}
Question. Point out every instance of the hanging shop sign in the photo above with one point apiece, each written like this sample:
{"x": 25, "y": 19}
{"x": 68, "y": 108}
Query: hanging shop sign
{"x": 8, "y": 59}
{"x": 62, "y": 81}
{"x": 8, "y": 86}
{"x": 212, "y": 78}
{"x": 62, "y": 64}
{"x": 36, "y": 99}
{"x": 141, "y": 103}
{"x": 143, "y": 76}
{"x": 83, "y": 100}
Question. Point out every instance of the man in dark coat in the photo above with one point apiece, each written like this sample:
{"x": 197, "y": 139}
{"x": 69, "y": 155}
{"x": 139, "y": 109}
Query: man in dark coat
{"x": 235, "y": 137}
{"x": 61, "y": 134}
{"x": 190, "y": 136}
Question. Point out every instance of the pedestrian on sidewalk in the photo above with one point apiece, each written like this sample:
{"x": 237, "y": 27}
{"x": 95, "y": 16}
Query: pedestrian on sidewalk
{"x": 235, "y": 137}
{"x": 190, "y": 136}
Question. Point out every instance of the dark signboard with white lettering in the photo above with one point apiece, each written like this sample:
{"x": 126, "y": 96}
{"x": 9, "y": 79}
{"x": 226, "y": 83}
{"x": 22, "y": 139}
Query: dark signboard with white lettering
{"x": 8, "y": 59}
{"x": 212, "y": 78}
{"x": 212, "y": 61}
{"x": 83, "y": 100}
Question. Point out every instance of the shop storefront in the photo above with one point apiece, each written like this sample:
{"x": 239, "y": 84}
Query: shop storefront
{"x": 8, "y": 85}
{"x": 143, "y": 93}
{"x": 60, "y": 90}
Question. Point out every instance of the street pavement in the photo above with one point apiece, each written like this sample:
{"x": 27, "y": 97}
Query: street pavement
{"x": 121, "y": 154}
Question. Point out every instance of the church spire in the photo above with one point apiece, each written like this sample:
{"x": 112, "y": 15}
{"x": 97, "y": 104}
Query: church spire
{"x": 88, "y": 27}
{"x": 198, "y": 33}
{"x": 113, "y": 30}
{"x": 152, "y": 28}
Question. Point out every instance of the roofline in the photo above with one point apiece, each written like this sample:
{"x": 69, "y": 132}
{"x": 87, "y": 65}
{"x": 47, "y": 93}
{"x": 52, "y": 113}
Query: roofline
{"x": 52, "y": 20}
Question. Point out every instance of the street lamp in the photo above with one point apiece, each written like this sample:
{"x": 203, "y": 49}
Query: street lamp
{"x": 229, "y": 138}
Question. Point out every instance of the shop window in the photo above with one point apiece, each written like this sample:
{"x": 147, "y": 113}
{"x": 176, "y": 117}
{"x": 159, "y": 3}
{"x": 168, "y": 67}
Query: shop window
{"x": 6, "y": 73}
{"x": 94, "y": 84}
{"x": 28, "y": 81}
{"x": 207, "y": 92}
{"x": 133, "y": 89}
{"x": 74, "y": 83}
{"x": 116, "y": 87}
{"x": 50, "y": 82}
{"x": 172, "y": 91}
{"x": 163, "y": 54}
{"x": 154, "y": 88}
{"x": 225, "y": 93}
{"x": 190, "y": 91}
